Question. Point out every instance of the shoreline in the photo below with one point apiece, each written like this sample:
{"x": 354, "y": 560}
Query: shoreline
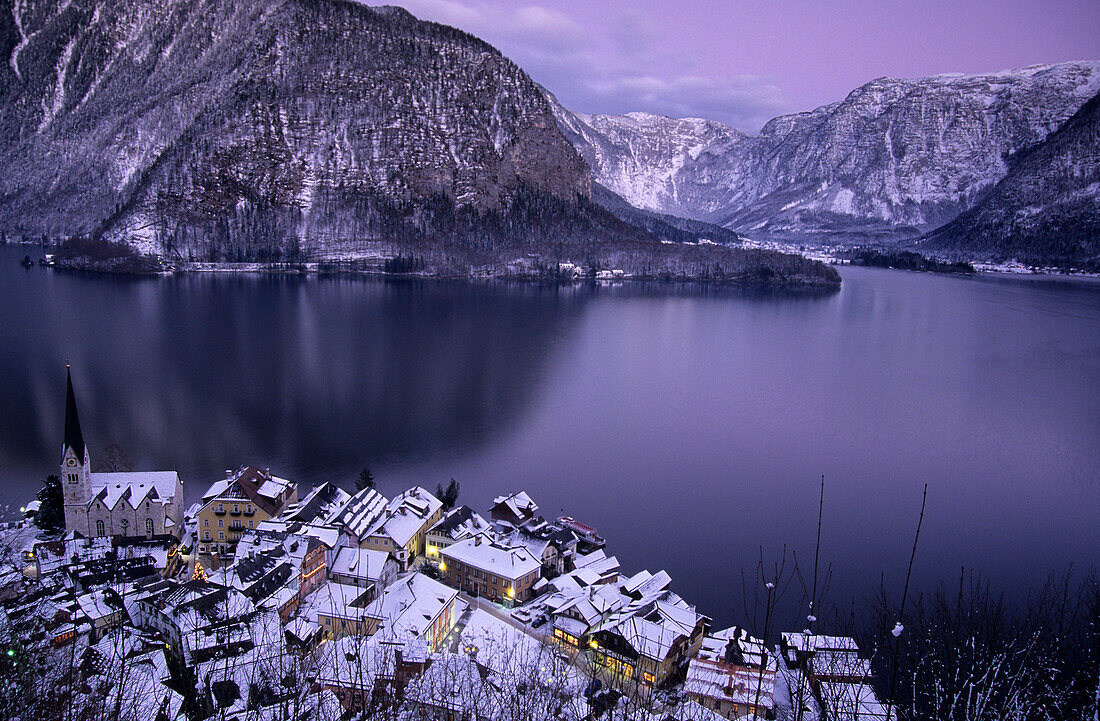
{"x": 341, "y": 268}
{"x": 372, "y": 268}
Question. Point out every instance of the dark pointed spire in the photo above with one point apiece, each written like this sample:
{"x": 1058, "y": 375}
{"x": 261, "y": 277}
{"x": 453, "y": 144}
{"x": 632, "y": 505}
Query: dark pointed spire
{"x": 73, "y": 437}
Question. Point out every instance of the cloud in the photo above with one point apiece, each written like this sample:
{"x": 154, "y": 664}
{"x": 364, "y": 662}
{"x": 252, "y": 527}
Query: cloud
{"x": 621, "y": 68}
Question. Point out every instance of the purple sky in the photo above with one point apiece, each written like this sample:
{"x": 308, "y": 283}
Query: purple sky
{"x": 745, "y": 61}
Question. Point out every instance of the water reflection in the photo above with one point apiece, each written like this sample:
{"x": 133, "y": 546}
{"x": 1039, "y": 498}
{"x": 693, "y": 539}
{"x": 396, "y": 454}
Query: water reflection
{"x": 315, "y": 376}
{"x": 690, "y": 425}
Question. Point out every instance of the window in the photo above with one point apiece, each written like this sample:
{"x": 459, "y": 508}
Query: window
{"x": 250, "y": 523}
{"x": 72, "y": 477}
{"x": 221, "y": 523}
{"x": 220, "y": 508}
{"x": 206, "y": 521}
{"x": 221, "y": 535}
{"x": 236, "y": 508}
{"x": 248, "y": 508}
{"x": 99, "y": 529}
{"x": 149, "y": 526}
{"x": 206, "y": 535}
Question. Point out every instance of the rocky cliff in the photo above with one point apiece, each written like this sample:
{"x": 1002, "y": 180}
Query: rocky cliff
{"x": 895, "y": 157}
{"x": 1045, "y": 211}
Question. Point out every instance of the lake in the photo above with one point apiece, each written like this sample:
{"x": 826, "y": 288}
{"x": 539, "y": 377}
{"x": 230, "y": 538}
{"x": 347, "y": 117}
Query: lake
{"x": 689, "y": 425}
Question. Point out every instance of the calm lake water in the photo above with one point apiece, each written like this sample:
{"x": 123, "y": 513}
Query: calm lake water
{"x": 691, "y": 428}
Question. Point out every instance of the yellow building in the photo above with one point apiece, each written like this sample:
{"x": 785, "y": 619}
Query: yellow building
{"x": 243, "y": 500}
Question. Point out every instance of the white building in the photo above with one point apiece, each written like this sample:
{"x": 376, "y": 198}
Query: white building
{"x": 145, "y": 503}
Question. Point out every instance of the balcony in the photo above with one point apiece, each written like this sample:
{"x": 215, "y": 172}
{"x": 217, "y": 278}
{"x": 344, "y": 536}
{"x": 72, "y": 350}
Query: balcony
{"x": 219, "y": 513}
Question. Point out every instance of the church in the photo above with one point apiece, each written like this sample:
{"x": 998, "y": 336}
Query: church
{"x": 141, "y": 504}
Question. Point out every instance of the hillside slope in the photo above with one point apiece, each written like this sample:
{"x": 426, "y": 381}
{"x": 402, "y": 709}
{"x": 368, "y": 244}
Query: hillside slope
{"x": 1045, "y": 211}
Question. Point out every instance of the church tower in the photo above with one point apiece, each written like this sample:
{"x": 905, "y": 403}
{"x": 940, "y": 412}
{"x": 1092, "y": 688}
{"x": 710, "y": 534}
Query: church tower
{"x": 76, "y": 466}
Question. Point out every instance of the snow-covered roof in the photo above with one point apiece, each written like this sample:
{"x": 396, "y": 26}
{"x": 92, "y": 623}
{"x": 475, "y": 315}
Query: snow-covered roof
{"x": 488, "y": 555}
{"x": 359, "y": 563}
{"x": 500, "y": 646}
{"x": 95, "y": 605}
{"x": 852, "y": 701}
{"x": 519, "y": 504}
{"x": 840, "y": 665}
{"x": 738, "y": 684}
{"x": 599, "y": 562}
{"x": 339, "y": 600}
{"x": 746, "y": 649}
{"x": 410, "y": 606}
{"x": 355, "y": 663}
{"x": 362, "y": 512}
{"x": 329, "y": 536}
{"x": 813, "y": 642}
{"x": 406, "y": 515}
{"x": 270, "y": 493}
{"x": 133, "y": 487}
{"x": 319, "y": 506}
{"x": 461, "y": 522}
{"x": 453, "y": 683}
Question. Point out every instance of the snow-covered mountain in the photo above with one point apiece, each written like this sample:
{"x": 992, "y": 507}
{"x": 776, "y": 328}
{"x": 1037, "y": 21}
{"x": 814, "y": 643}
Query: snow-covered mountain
{"x": 895, "y": 155}
{"x": 259, "y": 130}
{"x": 253, "y": 121}
{"x": 1046, "y": 210}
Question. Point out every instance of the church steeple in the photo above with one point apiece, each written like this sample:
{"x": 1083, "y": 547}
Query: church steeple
{"x": 76, "y": 465}
{"x": 74, "y": 439}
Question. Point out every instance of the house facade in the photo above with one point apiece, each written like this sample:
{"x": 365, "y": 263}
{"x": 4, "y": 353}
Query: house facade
{"x": 243, "y": 500}
{"x": 484, "y": 567}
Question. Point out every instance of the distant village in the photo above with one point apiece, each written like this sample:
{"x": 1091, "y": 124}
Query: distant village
{"x": 267, "y": 601}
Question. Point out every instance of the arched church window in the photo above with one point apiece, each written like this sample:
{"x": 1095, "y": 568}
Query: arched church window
{"x": 99, "y": 529}
{"x": 149, "y": 526}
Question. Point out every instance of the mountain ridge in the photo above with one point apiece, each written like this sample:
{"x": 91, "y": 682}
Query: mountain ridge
{"x": 294, "y": 130}
{"x": 893, "y": 159}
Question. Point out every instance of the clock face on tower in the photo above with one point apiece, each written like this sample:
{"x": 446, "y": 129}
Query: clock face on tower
{"x": 72, "y": 462}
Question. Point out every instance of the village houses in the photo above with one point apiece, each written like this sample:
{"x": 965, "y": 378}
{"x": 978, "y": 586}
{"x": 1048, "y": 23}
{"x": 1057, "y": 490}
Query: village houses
{"x": 242, "y": 500}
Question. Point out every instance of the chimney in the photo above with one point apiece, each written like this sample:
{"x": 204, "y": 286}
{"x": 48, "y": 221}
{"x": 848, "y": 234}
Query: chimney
{"x": 477, "y": 540}
{"x": 228, "y": 474}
